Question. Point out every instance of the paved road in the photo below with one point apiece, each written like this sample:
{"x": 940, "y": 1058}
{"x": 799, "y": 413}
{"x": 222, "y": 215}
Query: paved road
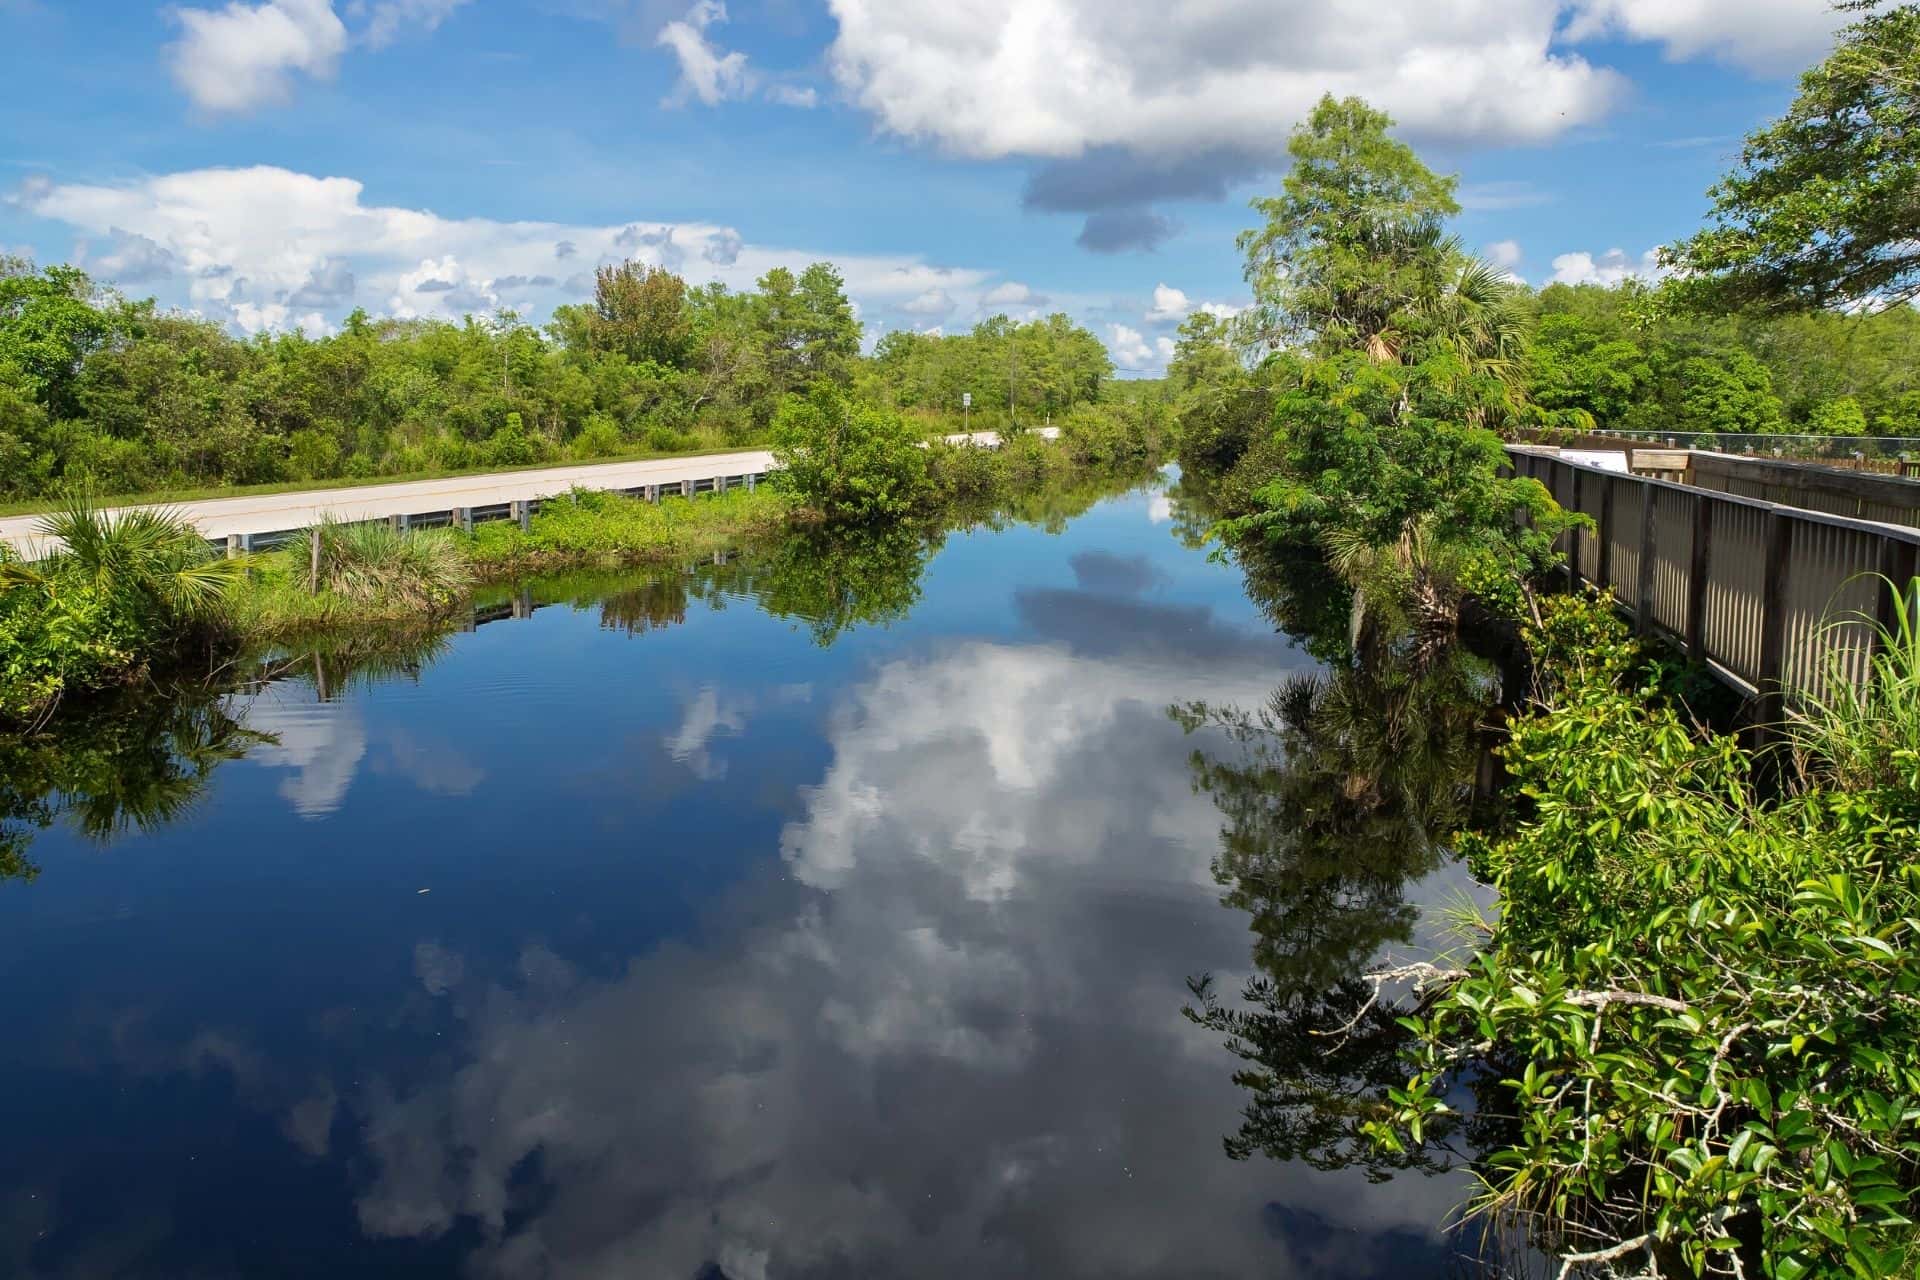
{"x": 261, "y": 513}
{"x": 264, "y": 513}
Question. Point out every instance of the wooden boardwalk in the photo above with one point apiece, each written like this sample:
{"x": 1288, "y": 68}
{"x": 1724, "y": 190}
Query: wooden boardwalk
{"x": 1775, "y": 598}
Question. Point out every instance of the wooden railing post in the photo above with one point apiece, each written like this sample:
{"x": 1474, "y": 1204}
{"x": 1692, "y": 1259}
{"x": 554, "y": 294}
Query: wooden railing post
{"x": 1603, "y": 569}
{"x": 1643, "y": 611}
{"x": 1778, "y": 540}
{"x": 1573, "y": 541}
{"x": 1897, "y": 564}
{"x": 1697, "y": 566}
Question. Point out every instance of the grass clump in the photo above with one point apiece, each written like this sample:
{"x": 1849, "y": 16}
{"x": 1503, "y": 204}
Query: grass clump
{"x": 367, "y": 573}
{"x": 1866, "y": 737}
{"x": 584, "y": 527}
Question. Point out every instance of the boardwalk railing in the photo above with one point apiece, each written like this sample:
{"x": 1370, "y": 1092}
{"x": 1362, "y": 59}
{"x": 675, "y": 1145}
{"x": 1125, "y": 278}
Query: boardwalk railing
{"x": 1766, "y": 594}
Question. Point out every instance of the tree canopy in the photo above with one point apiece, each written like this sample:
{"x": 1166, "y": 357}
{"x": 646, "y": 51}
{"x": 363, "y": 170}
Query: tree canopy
{"x": 104, "y": 394}
{"x": 1824, "y": 207}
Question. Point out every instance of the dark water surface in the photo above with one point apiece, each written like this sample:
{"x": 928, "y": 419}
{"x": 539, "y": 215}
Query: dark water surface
{"x": 650, "y": 936}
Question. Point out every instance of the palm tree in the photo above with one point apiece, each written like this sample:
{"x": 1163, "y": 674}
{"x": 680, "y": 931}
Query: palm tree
{"x": 148, "y": 562}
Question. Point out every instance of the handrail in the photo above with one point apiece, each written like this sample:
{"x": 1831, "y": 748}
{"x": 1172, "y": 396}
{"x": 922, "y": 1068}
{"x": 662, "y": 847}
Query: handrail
{"x": 1751, "y": 587}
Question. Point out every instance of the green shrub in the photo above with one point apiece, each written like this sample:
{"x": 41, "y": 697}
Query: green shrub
{"x": 374, "y": 563}
{"x": 851, "y": 462}
{"x": 125, "y": 590}
{"x": 1705, "y": 1005}
{"x": 599, "y": 438}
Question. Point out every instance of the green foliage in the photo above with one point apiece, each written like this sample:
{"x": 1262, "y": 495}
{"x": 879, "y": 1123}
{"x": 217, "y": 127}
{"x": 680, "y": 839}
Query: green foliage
{"x": 1839, "y": 417}
{"x": 1350, "y": 241}
{"x": 830, "y": 580}
{"x": 1374, "y": 463}
{"x": 853, "y": 463}
{"x": 1021, "y": 373}
{"x": 1704, "y": 1005}
{"x": 584, "y": 526}
{"x": 47, "y": 329}
{"x": 1334, "y": 798}
{"x": 372, "y": 563}
{"x": 1865, "y": 737}
{"x": 1608, "y": 358}
{"x": 135, "y": 762}
{"x": 121, "y": 590}
{"x": 1821, "y": 211}
{"x": 110, "y": 396}
{"x": 1731, "y": 393}
{"x": 641, "y": 312}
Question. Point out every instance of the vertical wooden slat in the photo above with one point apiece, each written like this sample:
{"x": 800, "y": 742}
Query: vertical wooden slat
{"x": 1773, "y": 616}
{"x": 1603, "y": 572}
{"x": 1697, "y": 567}
{"x": 1643, "y": 611}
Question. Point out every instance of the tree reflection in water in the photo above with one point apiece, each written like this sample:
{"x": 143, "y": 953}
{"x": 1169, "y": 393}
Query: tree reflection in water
{"x": 141, "y": 759}
{"x": 136, "y": 762}
{"x": 1342, "y": 794}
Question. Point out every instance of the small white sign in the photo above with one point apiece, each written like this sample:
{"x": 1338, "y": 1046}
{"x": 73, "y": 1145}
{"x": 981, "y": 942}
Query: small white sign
{"x": 966, "y": 399}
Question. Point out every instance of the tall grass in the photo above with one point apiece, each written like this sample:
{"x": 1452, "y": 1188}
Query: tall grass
{"x": 587, "y": 527}
{"x": 1866, "y": 736}
{"x": 424, "y": 570}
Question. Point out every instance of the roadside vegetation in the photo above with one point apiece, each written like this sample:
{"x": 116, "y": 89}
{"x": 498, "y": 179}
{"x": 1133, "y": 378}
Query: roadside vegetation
{"x": 140, "y": 594}
{"x": 108, "y": 395}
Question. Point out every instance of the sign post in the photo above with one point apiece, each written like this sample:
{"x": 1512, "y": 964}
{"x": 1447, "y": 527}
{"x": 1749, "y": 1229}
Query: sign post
{"x": 966, "y": 403}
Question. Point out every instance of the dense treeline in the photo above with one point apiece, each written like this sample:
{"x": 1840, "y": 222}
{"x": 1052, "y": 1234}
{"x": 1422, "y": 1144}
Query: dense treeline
{"x": 99, "y": 392}
{"x": 1620, "y": 359}
{"x": 1613, "y": 358}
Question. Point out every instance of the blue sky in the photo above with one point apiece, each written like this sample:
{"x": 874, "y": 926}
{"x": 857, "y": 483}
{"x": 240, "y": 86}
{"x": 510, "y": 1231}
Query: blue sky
{"x": 273, "y": 163}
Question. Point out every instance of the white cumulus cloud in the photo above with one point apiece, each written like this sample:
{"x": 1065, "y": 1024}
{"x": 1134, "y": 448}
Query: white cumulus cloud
{"x": 1135, "y": 352}
{"x": 246, "y": 55}
{"x": 1610, "y": 268}
{"x": 788, "y": 95}
{"x": 934, "y": 302}
{"x": 268, "y": 247}
{"x": 1012, "y": 293}
{"x": 1052, "y": 78}
{"x": 706, "y": 72}
{"x": 1170, "y": 305}
{"x": 1765, "y": 36}
{"x": 388, "y": 20}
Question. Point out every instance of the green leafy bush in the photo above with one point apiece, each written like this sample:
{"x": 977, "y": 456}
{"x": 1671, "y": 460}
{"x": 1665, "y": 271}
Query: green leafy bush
{"x": 1704, "y": 1005}
{"x": 122, "y": 590}
{"x": 851, "y": 462}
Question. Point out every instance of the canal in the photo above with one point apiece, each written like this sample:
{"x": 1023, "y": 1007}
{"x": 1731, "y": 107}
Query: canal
{"x": 813, "y": 914}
